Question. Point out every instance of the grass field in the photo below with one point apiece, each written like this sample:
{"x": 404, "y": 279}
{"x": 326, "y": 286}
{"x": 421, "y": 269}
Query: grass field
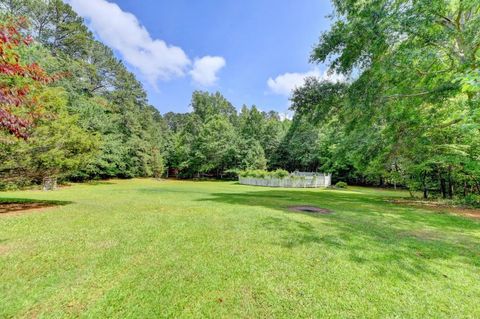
{"x": 149, "y": 249}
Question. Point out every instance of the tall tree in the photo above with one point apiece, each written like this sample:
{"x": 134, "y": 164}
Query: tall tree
{"x": 20, "y": 82}
{"x": 411, "y": 110}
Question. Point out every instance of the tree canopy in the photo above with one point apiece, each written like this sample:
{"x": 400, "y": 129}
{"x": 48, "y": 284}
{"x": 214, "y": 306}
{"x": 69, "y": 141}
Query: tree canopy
{"x": 407, "y": 113}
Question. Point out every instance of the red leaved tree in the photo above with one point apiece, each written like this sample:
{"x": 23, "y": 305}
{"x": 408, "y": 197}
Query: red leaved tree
{"x": 18, "y": 81}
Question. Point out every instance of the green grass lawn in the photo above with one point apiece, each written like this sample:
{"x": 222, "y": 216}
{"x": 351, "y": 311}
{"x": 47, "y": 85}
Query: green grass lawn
{"x": 149, "y": 249}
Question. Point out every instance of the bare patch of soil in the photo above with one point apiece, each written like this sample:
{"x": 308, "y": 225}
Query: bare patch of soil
{"x": 310, "y": 209}
{"x": 4, "y": 250}
{"x": 10, "y": 208}
{"x": 440, "y": 207}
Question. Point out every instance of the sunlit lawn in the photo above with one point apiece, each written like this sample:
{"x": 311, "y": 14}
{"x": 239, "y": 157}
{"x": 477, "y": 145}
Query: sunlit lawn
{"x": 149, "y": 249}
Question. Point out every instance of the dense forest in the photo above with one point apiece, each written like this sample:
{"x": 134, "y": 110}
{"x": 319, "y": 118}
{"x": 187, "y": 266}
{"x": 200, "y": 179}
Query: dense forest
{"x": 410, "y": 113}
{"x": 93, "y": 120}
{"x": 407, "y": 114}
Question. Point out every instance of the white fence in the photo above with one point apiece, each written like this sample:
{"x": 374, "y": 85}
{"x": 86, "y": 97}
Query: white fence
{"x": 293, "y": 181}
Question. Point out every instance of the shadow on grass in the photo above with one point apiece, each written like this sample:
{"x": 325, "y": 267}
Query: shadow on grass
{"x": 95, "y": 183}
{"x": 14, "y": 205}
{"x": 366, "y": 229}
{"x": 358, "y": 205}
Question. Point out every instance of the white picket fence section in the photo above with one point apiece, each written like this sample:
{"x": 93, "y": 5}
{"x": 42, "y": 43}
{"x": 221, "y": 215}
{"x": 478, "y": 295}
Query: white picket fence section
{"x": 295, "y": 180}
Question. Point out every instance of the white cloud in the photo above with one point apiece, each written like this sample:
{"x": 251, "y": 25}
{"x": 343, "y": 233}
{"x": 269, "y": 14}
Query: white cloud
{"x": 120, "y": 30}
{"x": 286, "y": 115}
{"x": 205, "y": 70}
{"x": 285, "y": 83}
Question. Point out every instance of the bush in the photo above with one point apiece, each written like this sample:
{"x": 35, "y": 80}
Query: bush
{"x": 472, "y": 200}
{"x": 243, "y": 173}
{"x": 258, "y": 173}
{"x": 233, "y": 172}
{"x": 341, "y": 185}
{"x": 280, "y": 173}
{"x": 255, "y": 173}
{"x": 249, "y": 173}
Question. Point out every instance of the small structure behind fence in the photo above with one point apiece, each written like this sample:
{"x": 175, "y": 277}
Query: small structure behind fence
{"x": 294, "y": 180}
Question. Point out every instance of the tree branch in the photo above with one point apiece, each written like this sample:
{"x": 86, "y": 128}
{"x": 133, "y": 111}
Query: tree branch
{"x": 394, "y": 96}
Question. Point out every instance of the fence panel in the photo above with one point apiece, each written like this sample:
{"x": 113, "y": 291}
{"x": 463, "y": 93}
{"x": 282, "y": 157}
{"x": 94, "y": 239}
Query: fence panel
{"x": 307, "y": 180}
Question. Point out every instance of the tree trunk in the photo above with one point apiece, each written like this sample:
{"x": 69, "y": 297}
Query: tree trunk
{"x": 450, "y": 184}
{"x": 425, "y": 189}
{"x": 443, "y": 188}
{"x": 411, "y": 194}
{"x": 425, "y": 192}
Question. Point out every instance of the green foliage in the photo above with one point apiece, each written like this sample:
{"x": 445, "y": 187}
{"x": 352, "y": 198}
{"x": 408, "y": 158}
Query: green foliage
{"x": 407, "y": 116}
{"x": 57, "y": 145}
{"x": 299, "y": 149}
{"x": 103, "y": 100}
{"x": 259, "y": 173}
{"x": 318, "y": 100}
{"x": 472, "y": 200}
{"x": 251, "y": 154}
{"x": 280, "y": 173}
{"x": 206, "y": 105}
{"x": 108, "y": 103}
{"x": 341, "y": 185}
{"x": 409, "y": 113}
{"x": 214, "y": 140}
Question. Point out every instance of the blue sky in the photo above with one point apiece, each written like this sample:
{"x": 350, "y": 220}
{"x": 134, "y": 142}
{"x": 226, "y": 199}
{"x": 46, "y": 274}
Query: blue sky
{"x": 253, "y": 52}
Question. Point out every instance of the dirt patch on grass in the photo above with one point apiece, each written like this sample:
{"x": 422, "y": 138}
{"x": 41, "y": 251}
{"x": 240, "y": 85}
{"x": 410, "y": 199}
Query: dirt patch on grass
{"x": 12, "y": 208}
{"x": 4, "y": 250}
{"x": 107, "y": 244}
{"x": 310, "y": 209}
{"x": 440, "y": 207}
{"x": 421, "y": 234}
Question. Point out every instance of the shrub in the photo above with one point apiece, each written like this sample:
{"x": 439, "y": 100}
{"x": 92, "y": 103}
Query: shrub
{"x": 472, "y": 200}
{"x": 243, "y": 173}
{"x": 341, "y": 185}
{"x": 250, "y": 173}
{"x": 280, "y": 173}
{"x": 233, "y": 172}
{"x": 255, "y": 173}
{"x": 259, "y": 173}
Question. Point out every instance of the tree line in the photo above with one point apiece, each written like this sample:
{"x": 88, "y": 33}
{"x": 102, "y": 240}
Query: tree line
{"x": 407, "y": 114}
{"x": 95, "y": 121}
{"x": 84, "y": 116}
{"x": 215, "y": 140}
